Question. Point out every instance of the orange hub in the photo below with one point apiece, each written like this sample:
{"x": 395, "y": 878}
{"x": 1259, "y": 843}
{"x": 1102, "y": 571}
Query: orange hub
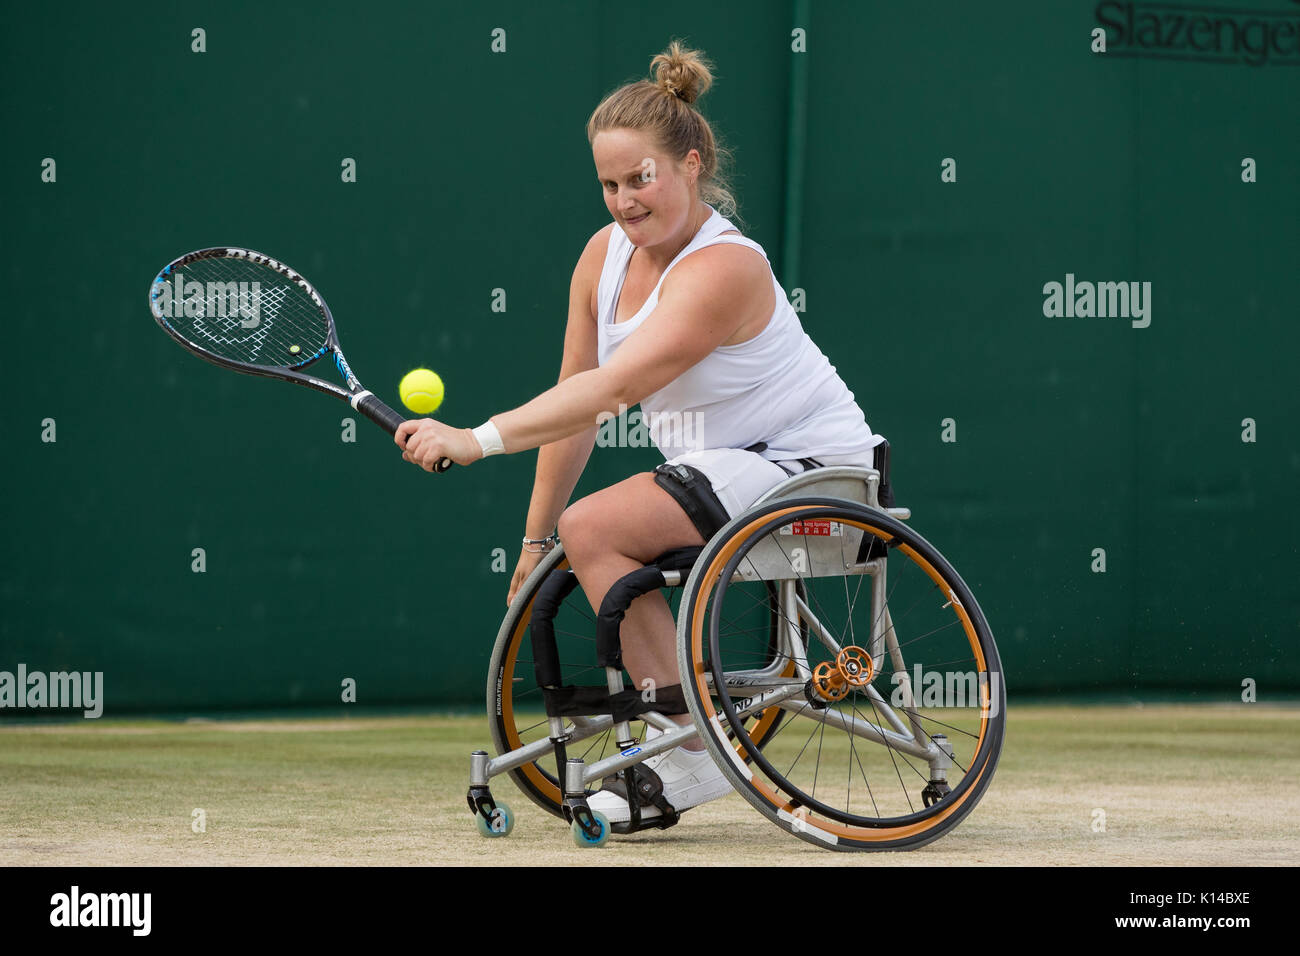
{"x": 852, "y": 668}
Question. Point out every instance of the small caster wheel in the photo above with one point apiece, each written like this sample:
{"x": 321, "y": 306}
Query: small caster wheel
{"x": 502, "y": 822}
{"x": 584, "y": 839}
{"x": 935, "y": 791}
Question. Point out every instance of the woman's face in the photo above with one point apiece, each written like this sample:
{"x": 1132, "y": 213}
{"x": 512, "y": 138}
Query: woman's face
{"x": 646, "y": 192}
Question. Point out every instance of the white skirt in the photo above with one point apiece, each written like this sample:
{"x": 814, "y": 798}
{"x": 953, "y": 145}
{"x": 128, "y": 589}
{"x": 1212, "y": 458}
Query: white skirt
{"x": 740, "y": 477}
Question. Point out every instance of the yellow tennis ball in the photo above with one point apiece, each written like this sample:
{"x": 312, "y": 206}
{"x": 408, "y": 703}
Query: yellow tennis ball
{"x": 421, "y": 391}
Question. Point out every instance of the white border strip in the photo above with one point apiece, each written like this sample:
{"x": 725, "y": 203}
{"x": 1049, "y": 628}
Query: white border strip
{"x": 800, "y": 824}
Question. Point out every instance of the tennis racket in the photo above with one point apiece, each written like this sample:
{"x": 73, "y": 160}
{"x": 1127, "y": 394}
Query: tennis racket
{"x": 244, "y": 311}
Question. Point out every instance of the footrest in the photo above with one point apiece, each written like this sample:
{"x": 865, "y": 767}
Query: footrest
{"x": 647, "y": 791}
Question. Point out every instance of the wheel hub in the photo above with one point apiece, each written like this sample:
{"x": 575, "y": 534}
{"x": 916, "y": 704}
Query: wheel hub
{"x": 851, "y": 669}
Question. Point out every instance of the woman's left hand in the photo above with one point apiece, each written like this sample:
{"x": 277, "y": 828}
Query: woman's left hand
{"x": 424, "y": 441}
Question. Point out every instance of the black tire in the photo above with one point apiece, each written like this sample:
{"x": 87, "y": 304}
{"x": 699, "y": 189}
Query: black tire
{"x": 515, "y": 708}
{"x": 826, "y": 775}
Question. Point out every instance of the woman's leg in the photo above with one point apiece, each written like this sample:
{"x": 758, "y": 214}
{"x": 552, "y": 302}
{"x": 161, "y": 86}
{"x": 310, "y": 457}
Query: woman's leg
{"x": 617, "y": 530}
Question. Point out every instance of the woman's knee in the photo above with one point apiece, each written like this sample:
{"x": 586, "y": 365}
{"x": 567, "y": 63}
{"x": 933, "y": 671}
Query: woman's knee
{"x": 578, "y": 526}
{"x": 635, "y": 518}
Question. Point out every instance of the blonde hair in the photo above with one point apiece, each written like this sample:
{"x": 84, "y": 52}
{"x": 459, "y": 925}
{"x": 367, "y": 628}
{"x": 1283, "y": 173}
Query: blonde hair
{"x": 662, "y": 108}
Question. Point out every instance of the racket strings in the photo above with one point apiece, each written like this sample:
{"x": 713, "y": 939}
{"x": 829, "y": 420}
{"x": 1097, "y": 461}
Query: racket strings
{"x": 241, "y": 310}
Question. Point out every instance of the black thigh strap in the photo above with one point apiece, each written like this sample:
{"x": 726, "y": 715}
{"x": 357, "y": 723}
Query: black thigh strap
{"x": 541, "y": 629}
{"x": 696, "y": 496}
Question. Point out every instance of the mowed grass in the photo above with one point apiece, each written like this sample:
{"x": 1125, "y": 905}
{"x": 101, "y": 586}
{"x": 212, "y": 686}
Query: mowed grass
{"x": 1174, "y": 784}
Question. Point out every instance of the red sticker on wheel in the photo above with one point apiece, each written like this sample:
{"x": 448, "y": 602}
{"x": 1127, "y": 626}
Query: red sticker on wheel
{"x": 812, "y": 526}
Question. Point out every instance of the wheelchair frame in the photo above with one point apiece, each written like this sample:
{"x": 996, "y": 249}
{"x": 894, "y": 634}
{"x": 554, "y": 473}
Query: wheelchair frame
{"x": 787, "y": 686}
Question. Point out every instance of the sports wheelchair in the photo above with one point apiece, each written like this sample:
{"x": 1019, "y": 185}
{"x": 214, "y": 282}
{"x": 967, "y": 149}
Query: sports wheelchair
{"x": 837, "y": 668}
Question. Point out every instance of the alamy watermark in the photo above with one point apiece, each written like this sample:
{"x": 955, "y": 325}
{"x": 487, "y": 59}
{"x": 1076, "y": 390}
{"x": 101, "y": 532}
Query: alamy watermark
{"x": 948, "y": 689}
{"x": 211, "y": 300}
{"x": 58, "y": 690}
{"x": 76, "y": 908}
{"x": 1119, "y": 300}
{"x": 637, "y": 429}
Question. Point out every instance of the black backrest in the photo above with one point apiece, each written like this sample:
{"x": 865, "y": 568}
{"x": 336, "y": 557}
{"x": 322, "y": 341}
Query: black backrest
{"x": 885, "y": 493}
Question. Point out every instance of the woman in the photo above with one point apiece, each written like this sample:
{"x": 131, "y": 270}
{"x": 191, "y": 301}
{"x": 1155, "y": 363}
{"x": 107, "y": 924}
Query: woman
{"x": 672, "y": 308}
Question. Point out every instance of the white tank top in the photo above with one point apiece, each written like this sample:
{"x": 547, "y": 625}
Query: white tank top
{"x": 777, "y": 388}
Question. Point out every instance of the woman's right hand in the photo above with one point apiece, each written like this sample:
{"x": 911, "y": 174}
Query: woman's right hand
{"x": 528, "y": 561}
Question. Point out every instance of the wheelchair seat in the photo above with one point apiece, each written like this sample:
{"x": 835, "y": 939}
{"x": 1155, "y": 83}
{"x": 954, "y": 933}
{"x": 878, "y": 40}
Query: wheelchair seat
{"x": 670, "y": 569}
{"x": 866, "y": 486}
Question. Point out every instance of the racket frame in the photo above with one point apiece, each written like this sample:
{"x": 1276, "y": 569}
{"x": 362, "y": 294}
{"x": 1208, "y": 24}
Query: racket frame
{"x": 355, "y": 394}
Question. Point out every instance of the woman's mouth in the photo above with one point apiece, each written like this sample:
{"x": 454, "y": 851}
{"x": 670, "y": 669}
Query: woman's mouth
{"x": 640, "y": 218}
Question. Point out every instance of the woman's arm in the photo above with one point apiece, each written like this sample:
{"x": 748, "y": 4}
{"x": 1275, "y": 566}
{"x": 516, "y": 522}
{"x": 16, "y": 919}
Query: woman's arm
{"x": 560, "y": 463}
{"x": 703, "y": 302}
{"x": 425, "y": 440}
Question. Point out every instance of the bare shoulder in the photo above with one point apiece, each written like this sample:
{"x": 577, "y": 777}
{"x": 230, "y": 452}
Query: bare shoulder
{"x": 728, "y": 263}
{"x": 730, "y": 281}
{"x": 592, "y": 259}
{"x": 586, "y": 274}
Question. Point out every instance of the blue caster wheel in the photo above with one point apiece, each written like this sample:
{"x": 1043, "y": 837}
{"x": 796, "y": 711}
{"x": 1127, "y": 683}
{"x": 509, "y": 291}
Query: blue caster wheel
{"x": 584, "y": 839}
{"x": 502, "y": 822}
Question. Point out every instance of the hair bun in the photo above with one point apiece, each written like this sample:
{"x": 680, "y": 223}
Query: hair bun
{"x": 682, "y": 73}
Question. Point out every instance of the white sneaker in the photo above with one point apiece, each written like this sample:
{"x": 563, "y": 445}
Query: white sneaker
{"x": 650, "y": 734}
{"x": 689, "y": 779}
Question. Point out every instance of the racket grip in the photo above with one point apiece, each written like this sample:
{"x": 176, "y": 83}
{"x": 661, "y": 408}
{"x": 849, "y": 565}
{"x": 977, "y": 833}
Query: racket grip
{"x": 388, "y": 419}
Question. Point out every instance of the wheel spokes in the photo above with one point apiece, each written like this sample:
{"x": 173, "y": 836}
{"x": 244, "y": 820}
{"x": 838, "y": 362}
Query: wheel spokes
{"x": 862, "y": 745}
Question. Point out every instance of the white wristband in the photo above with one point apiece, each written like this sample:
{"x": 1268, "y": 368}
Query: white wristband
{"x": 489, "y": 439}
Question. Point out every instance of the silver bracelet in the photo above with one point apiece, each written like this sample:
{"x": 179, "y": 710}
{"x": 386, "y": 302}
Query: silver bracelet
{"x": 553, "y": 538}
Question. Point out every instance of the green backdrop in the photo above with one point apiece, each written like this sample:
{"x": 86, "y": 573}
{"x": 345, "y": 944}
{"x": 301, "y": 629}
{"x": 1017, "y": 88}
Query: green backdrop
{"x": 328, "y": 560}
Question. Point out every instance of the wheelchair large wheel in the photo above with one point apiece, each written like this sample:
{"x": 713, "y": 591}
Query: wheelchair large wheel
{"x": 516, "y": 711}
{"x": 895, "y": 711}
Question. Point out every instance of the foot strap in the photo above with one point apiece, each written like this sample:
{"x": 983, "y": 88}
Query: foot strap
{"x": 648, "y": 791}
